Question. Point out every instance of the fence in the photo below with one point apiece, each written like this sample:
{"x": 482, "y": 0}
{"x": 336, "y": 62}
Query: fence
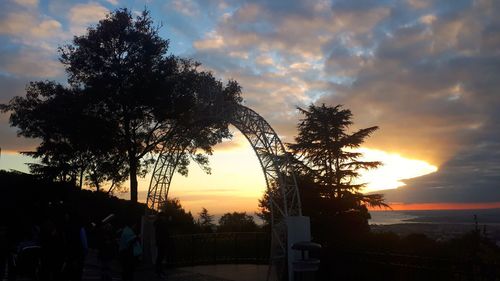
{"x": 345, "y": 265}
{"x": 216, "y": 248}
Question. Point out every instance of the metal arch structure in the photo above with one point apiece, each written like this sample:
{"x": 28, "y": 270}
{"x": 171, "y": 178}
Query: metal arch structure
{"x": 277, "y": 169}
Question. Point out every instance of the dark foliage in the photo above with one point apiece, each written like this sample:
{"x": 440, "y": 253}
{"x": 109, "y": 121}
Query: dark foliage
{"x": 411, "y": 257}
{"x": 126, "y": 96}
{"x": 205, "y": 221}
{"x": 324, "y": 153}
{"x": 27, "y": 200}
{"x": 326, "y": 168}
{"x": 237, "y": 222}
{"x": 181, "y": 222}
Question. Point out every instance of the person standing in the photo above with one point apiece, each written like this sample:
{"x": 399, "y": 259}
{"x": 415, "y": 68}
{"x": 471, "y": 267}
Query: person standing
{"x": 130, "y": 250}
{"x": 106, "y": 246}
{"x": 53, "y": 244}
{"x": 161, "y": 234}
{"x": 4, "y": 251}
{"x": 76, "y": 247}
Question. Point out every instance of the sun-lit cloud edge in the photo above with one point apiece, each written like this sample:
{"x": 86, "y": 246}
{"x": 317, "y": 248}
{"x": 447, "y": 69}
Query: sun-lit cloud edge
{"x": 399, "y": 206}
{"x": 395, "y": 168}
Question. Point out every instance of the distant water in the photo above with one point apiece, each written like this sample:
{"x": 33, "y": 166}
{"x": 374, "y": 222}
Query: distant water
{"x": 485, "y": 216}
{"x": 389, "y": 217}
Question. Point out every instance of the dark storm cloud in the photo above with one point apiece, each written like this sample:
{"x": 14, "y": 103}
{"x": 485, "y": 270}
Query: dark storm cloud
{"x": 433, "y": 88}
{"x": 471, "y": 176}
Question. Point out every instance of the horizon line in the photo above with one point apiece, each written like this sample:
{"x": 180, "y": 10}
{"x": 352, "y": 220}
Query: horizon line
{"x": 440, "y": 206}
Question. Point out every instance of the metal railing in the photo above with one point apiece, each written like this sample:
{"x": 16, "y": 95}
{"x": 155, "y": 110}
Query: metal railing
{"x": 216, "y": 248}
{"x": 395, "y": 266}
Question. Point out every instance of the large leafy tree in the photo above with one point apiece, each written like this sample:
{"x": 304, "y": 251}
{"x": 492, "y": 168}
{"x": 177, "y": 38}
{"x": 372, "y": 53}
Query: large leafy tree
{"x": 74, "y": 144}
{"x": 125, "y": 97}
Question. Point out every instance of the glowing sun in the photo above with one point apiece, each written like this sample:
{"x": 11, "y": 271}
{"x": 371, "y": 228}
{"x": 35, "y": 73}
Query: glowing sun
{"x": 394, "y": 169}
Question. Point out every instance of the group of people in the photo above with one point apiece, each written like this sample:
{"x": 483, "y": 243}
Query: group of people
{"x": 49, "y": 246}
{"x": 130, "y": 249}
{"x": 55, "y": 247}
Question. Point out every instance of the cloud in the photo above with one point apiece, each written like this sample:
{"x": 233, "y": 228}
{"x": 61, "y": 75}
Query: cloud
{"x": 29, "y": 62}
{"x": 27, "y": 3}
{"x": 29, "y": 28}
{"x": 186, "y": 7}
{"x": 421, "y": 70}
{"x": 428, "y": 19}
{"x": 82, "y": 15}
{"x": 264, "y": 60}
{"x": 471, "y": 176}
{"x": 113, "y": 2}
{"x": 9, "y": 87}
{"x": 419, "y": 4}
{"x": 213, "y": 41}
{"x": 429, "y": 89}
{"x": 296, "y": 27}
{"x": 29, "y": 46}
{"x": 283, "y": 46}
{"x": 425, "y": 71}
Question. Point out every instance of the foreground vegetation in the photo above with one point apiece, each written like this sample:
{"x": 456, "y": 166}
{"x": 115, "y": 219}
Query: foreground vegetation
{"x": 25, "y": 199}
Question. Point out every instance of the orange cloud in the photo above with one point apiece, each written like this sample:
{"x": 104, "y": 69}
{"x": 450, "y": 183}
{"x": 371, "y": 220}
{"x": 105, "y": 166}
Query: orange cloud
{"x": 26, "y": 26}
{"x": 213, "y": 41}
{"x": 442, "y": 206}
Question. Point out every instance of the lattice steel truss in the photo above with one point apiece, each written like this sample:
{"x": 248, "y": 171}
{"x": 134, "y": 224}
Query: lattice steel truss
{"x": 277, "y": 168}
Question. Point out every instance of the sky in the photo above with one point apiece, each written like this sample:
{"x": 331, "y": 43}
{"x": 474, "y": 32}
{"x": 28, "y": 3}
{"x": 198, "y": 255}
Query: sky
{"x": 424, "y": 71}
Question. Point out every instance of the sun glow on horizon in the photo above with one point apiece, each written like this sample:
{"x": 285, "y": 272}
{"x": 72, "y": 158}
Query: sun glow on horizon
{"x": 395, "y": 168}
{"x": 237, "y": 181}
{"x": 235, "y": 184}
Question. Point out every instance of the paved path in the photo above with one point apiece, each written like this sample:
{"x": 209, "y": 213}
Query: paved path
{"x": 222, "y": 272}
{"x": 195, "y": 273}
{"x": 236, "y": 272}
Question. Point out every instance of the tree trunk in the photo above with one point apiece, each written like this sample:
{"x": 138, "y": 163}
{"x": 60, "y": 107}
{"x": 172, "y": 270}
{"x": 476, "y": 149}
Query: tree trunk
{"x": 133, "y": 180}
{"x": 133, "y": 162}
{"x": 81, "y": 178}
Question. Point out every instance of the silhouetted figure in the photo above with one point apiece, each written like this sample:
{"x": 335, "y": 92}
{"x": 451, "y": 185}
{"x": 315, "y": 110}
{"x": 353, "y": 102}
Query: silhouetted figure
{"x": 53, "y": 243}
{"x": 4, "y": 251}
{"x": 161, "y": 233}
{"x": 76, "y": 247}
{"x": 28, "y": 253}
{"x": 107, "y": 249}
{"x": 130, "y": 250}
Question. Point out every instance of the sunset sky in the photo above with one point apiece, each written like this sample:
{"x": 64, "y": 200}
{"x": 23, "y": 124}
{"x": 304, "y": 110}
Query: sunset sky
{"x": 426, "y": 72}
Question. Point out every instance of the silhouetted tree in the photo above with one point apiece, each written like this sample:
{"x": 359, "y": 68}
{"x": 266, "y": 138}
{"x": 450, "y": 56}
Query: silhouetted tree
{"x": 327, "y": 166}
{"x": 326, "y": 151}
{"x": 126, "y": 97}
{"x": 73, "y": 142}
{"x": 205, "y": 220}
{"x": 180, "y": 221}
{"x": 237, "y": 222}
